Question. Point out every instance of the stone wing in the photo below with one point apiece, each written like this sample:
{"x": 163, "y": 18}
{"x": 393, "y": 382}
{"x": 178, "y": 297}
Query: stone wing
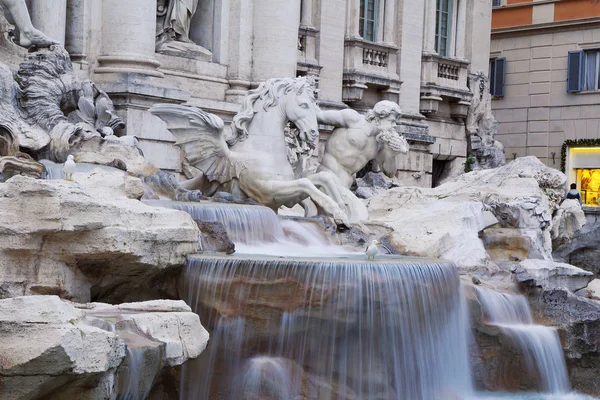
{"x": 201, "y": 137}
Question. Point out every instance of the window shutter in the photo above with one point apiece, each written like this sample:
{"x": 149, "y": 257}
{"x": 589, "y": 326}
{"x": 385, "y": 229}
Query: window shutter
{"x": 575, "y": 71}
{"x": 499, "y": 76}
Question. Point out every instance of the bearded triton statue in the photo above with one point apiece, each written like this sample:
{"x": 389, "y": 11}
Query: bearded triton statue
{"x": 355, "y": 141}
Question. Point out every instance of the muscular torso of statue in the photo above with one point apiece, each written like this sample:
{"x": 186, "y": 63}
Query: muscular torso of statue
{"x": 347, "y": 151}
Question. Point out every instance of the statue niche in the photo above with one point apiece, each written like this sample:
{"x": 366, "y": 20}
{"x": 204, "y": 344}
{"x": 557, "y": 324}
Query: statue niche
{"x": 174, "y": 25}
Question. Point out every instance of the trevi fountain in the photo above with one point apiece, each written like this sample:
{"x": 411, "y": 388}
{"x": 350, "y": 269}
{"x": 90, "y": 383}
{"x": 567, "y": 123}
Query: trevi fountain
{"x": 248, "y": 278}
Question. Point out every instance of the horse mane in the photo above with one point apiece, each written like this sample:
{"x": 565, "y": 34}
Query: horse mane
{"x": 270, "y": 92}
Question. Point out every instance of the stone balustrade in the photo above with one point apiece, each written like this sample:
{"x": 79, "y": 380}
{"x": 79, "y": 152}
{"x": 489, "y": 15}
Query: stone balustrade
{"x": 369, "y": 65}
{"x": 448, "y": 71}
{"x": 375, "y": 57}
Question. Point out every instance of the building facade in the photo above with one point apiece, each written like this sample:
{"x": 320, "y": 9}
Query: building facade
{"x": 544, "y": 59}
{"x": 414, "y": 52}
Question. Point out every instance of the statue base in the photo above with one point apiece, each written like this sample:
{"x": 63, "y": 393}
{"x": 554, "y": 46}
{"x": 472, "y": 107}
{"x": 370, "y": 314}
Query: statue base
{"x": 182, "y": 49}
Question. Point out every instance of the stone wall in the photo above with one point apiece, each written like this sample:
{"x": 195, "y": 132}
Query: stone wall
{"x": 537, "y": 115}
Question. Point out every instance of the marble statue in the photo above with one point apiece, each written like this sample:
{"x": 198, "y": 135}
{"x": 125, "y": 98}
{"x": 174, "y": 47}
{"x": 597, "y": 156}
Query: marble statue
{"x": 28, "y": 35}
{"x": 177, "y": 19}
{"x": 252, "y": 162}
{"x": 356, "y": 140}
{"x": 48, "y": 113}
{"x": 174, "y": 18}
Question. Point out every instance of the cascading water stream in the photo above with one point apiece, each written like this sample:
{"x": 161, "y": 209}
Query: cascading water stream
{"x": 328, "y": 329}
{"x": 130, "y": 386}
{"x": 258, "y": 230}
{"x": 539, "y": 345}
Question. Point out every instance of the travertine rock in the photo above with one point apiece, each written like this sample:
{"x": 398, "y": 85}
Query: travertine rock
{"x": 583, "y": 250}
{"x": 88, "y": 239}
{"x": 446, "y": 221}
{"x": 52, "y": 349}
{"x": 553, "y": 275}
{"x": 568, "y": 219}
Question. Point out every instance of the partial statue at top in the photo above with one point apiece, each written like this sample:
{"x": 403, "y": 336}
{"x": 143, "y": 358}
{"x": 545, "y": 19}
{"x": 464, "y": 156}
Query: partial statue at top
{"x": 174, "y": 20}
{"x": 28, "y": 35}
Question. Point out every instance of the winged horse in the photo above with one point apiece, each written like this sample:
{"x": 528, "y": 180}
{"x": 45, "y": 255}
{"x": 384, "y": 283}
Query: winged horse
{"x": 252, "y": 162}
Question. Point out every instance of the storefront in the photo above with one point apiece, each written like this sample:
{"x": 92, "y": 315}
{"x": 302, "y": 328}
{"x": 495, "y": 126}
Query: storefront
{"x": 583, "y": 167}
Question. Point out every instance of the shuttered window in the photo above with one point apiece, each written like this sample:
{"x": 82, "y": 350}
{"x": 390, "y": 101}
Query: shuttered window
{"x": 369, "y": 10}
{"x": 575, "y": 71}
{"x": 497, "y": 76}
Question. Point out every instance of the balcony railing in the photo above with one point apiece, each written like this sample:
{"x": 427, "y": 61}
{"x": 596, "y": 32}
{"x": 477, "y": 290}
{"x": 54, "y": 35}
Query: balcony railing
{"x": 369, "y": 65}
{"x": 447, "y": 74}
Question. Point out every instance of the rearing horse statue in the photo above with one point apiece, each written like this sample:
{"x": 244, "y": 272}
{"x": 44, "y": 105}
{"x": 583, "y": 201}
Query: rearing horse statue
{"x": 253, "y": 162}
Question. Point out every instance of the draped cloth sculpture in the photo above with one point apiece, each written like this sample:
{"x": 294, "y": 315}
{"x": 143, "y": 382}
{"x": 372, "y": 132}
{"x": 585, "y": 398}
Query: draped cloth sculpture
{"x": 178, "y": 19}
{"x": 173, "y": 30}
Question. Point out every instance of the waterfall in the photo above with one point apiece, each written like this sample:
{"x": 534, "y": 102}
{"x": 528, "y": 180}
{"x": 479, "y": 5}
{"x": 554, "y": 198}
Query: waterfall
{"x": 327, "y": 328}
{"x": 539, "y": 345}
{"x": 258, "y": 230}
{"x": 130, "y": 386}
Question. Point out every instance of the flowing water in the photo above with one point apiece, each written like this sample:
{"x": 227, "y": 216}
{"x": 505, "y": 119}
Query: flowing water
{"x": 130, "y": 383}
{"x": 293, "y": 315}
{"x": 328, "y": 329}
{"x": 539, "y": 345}
{"x": 258, "y": 230}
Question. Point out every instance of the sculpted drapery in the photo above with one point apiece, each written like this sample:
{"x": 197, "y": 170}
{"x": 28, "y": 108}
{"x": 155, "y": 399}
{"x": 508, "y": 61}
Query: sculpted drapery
{"x": 179, "y": 17}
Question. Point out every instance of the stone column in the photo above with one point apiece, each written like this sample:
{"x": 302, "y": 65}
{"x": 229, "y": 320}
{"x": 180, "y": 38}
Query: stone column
{"x": 275, "y": 38}
{"x": 389, "y": 29}
{"x": 307, "y": 9}
{"x": 239, "y": 72}
{"x": 461, "y": 24}
{"x": 50, "y": 17}
{"x": 353, "y": 19}
{"x": 430, "y": 24}
{"x": 411, "y": 49}
{"x": 128, "y": 37}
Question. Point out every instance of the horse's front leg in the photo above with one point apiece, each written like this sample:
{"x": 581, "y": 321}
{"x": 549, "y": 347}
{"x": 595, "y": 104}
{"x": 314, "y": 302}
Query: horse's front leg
{"x": 286, "y": 191}
{"x": 329, "y": 182}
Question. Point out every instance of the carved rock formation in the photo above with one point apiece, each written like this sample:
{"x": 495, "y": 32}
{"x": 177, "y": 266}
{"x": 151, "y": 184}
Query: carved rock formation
{"x": 446, "y": 221}
{"x": 56, "y": 350}
{"x": 89, "y": 236}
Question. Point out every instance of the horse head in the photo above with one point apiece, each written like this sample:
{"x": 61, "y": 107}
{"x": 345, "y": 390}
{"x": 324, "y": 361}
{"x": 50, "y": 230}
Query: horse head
{"x": 293, "y": 97}
{"x": 300, "y": 108}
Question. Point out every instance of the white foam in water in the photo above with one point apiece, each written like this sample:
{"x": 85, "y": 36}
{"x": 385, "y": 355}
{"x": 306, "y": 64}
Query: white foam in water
{"x": 540, "y": 345}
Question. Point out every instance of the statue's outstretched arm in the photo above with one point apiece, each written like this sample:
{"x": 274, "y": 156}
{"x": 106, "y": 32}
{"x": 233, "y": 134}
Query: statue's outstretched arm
{"x": 343, "y": 119}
